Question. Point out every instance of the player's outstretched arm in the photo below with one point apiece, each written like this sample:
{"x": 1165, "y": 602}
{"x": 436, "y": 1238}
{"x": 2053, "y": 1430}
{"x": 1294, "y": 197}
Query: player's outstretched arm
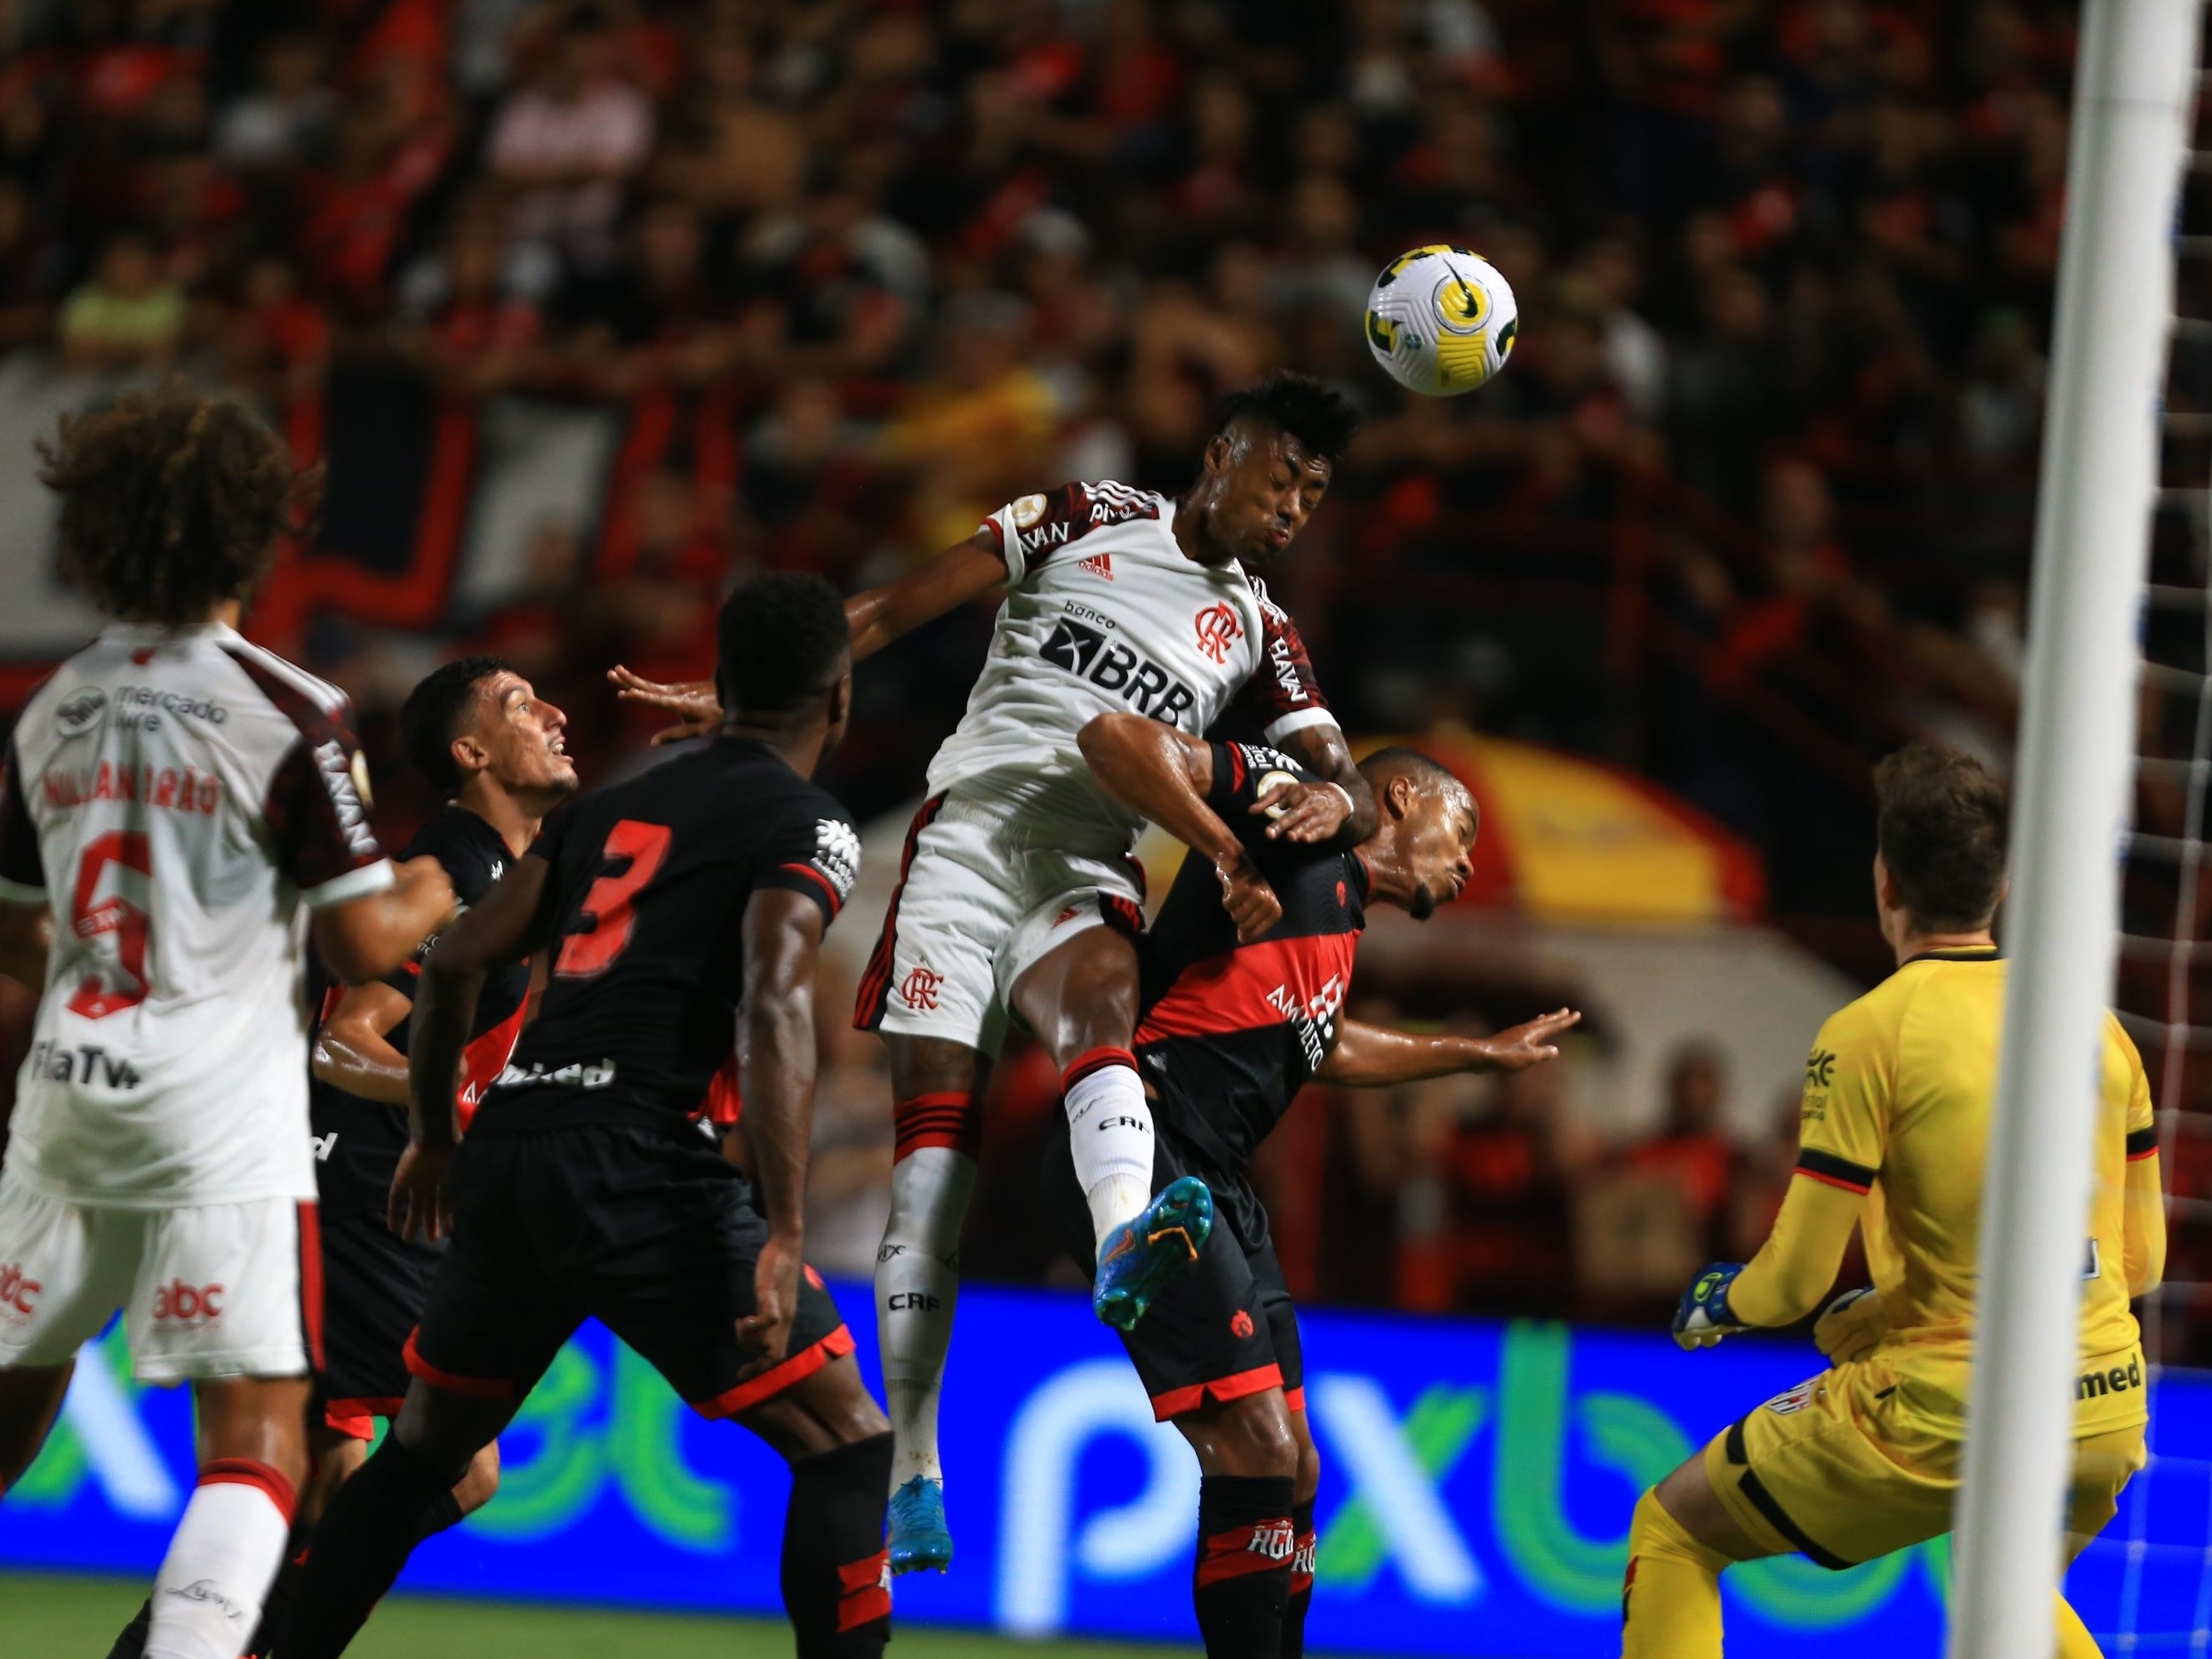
{"x": 511, "y": 921}
{"x": 782, "y": 933}
{"x": 353, "y": 1051}
{"x": 27, "y": 931}
{"x": 1165, "y": 775}
{"x": 1375, "y": 1057}
{"x": 1316, "y": 813}
{"x": 965, "y": 571}
{"x": 365, "y": 938}
{"x": 1794, "y": 1269}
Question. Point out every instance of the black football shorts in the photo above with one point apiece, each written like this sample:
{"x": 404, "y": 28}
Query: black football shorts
{"x": 1223, "y": 1328}
{"x": 374, "y": 1282}
{"x": 652, "y": 1231}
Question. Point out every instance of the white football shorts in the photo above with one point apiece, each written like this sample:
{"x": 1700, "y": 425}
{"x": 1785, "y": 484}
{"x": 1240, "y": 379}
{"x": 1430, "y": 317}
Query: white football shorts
{"x": 206, "y": 1290}
{"x": 979, "y": 902}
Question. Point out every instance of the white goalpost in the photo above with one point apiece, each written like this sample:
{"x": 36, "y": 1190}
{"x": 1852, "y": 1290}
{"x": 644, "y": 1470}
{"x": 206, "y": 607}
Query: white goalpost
{"x": 2135, "y": 83}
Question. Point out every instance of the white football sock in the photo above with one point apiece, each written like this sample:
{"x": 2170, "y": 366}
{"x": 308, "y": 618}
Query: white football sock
{"x": 1109, "y": 1130}
{"x": 222, "y": 1560}
{"x": 917, "y": 1283}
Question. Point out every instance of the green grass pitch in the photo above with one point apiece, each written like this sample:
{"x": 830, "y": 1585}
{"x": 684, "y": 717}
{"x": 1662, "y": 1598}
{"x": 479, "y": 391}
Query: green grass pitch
{"x": 54, "y": 1616}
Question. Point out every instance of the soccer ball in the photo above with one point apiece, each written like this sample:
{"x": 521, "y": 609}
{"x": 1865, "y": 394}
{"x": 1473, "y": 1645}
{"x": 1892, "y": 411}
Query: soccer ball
{"x": 1441, "y": 320}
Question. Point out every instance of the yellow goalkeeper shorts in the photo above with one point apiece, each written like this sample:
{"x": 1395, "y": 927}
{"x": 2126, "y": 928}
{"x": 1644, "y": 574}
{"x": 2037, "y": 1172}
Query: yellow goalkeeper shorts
{"x": 1846, "y": 1467}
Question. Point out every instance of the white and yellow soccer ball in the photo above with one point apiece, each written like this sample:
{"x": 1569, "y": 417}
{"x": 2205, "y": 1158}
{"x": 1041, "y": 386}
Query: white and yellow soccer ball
{"x": 1442, "y": 319}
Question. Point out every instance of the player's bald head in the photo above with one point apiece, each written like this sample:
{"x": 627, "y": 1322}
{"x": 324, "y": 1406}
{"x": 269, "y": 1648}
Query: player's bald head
{"x": 1427, "y": 774}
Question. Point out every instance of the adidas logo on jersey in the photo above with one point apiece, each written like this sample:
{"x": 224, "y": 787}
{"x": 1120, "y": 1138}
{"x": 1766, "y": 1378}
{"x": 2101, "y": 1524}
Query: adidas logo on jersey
{"x": 1114, "y": 667}
{"x": 1100, "y": 564}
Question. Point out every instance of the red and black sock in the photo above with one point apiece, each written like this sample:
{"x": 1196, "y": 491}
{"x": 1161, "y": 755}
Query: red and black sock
{"x": 364, "y": 1540}
{"x": 836, "y": 1573}
{"x": 1242, "y": 1588}
{"x": 1301, "y": 1577}
{"x": 445, "y": 1511}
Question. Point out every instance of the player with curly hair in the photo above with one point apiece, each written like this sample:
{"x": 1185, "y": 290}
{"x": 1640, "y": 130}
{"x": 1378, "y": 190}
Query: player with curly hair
{"x": 190, "y": 808}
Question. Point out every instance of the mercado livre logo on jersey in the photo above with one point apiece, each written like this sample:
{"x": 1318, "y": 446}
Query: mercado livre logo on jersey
{"x": 1115, "y": 665}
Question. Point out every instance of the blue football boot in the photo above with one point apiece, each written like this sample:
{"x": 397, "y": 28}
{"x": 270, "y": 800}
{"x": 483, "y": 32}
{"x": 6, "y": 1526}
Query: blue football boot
{"x": 918, "y": 1535}
{"x": 1140, "y": 1256}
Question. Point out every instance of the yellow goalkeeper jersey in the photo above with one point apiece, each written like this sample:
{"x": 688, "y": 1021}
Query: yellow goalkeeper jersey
{"x": 1899, "y": 1092}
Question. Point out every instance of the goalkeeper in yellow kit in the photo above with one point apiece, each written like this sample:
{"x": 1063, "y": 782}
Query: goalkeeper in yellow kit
{"x": 1865, "y": 1458}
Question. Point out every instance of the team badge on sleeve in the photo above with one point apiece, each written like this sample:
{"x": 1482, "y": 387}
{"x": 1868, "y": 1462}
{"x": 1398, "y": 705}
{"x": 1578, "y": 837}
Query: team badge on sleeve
{"x": 837, "y": 854}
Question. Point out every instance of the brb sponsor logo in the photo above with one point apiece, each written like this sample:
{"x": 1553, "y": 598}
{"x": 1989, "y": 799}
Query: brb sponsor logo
{"x": 18, "y": 1292}
{"x": 189, "y": 1305}
{"x": 1116, "y": 666}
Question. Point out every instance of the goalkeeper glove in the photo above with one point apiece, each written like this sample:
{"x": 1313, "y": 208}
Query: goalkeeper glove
{"x": 1851, "y": 1326}
{"x": 1703, "y": 1319}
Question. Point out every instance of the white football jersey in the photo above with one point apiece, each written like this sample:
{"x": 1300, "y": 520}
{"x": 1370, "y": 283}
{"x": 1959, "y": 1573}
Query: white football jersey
{"x": 180, "y": 799}
{"x": 1104, "y": 611}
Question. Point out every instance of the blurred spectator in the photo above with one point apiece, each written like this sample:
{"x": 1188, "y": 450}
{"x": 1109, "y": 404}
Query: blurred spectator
{"x": 566, "y": 144}
{"x": 1691, "y": 1153}
{"x": 128, "y": 316}
{"x": 978, "y": 431}
{"x": 277, "y": 341}
{"x": 1507, "y": 1184}
{"x": 284, "y": 122}
{"x": 848, "y": 1174}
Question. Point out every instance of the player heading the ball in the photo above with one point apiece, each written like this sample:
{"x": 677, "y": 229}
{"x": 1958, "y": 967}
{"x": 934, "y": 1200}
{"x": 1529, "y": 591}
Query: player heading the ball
{"x": 1017, "y": 892}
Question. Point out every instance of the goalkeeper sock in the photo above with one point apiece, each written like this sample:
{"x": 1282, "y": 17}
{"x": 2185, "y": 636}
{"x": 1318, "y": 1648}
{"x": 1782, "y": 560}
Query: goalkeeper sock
{"x": 365, "y": 1538}
{"x": 1109, "y": 1133}
{"x": 836, "y": 1572}
{"x": 917, "y": 1284}
{"x": 1670, "y": 1607}
{"x": 2074, "y": 1641}
{"x": 1301, "y": 1577}
{"x": 1242, "y": 1588}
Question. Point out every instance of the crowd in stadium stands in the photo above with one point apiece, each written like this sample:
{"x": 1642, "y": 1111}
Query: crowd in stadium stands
{"x": 1750, "y": 505}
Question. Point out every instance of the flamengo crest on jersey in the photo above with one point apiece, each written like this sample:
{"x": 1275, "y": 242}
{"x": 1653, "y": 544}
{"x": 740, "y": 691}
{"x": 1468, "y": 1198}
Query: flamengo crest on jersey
{"x": 181, "y": 800}
{"x": 1104, "y": 611}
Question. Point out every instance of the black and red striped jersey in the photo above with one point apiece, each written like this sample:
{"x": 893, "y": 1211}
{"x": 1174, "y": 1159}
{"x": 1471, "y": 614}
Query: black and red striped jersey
{"x": 644, "y": 903}
{"x": 473, "y": 855}
{"x": 1230, "y": 1032}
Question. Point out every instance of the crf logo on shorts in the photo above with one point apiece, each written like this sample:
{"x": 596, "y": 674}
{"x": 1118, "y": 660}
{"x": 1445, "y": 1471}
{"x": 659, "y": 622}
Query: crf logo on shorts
{"x": 918, "y": 989}
{"x": 18, "y": 1289}
{"x": 1218, "y": 629}
{"x": 1240, "y": 1324}
{"x": 178, "y": 1300}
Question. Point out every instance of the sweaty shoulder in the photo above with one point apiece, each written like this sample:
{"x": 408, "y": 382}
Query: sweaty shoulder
{"x": 1031, "y": 530}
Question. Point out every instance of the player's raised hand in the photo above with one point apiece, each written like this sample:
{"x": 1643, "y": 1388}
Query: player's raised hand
{"x": 1308, "y": 813}
{"x": 766, "y": 1331}
{"x": 422, "y": 1206}
{"x": 1251, "y": 904}
{"x": 698, "y": 711}
{"x": 1703, "y": 1317}
{"x": 1519, "y": 1047}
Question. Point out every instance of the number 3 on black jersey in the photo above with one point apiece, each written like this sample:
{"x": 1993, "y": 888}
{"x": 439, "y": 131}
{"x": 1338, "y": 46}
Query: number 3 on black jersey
{"x": 603, "y": 923}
